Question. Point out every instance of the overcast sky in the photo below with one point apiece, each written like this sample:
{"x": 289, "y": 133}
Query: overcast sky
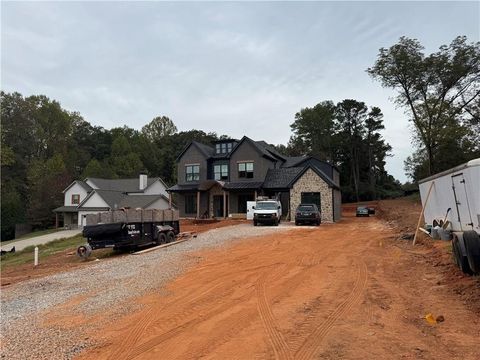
{"x": 233, "y": 68}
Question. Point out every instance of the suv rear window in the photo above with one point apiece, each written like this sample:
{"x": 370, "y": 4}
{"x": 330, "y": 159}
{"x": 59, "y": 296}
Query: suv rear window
{"x": 306, "y": 208}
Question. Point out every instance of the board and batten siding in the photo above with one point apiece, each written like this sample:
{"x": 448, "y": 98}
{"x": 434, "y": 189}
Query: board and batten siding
{"x": 246, "y": 153}
{"x": 311, "y": 182}
{"x": 191, "y": 156}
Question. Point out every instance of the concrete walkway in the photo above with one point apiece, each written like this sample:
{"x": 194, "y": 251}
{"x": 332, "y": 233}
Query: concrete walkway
{"x": 39, "y": 240}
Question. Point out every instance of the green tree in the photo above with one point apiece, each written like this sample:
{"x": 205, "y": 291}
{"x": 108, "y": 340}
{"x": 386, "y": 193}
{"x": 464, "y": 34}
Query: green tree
{"x": 437, "y": 90}
{"x": 313, "y": 131}
{"x": 159, "y": 127}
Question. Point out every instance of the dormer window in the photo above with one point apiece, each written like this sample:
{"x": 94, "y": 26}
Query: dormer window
{"x": 75, "y": 199}
{"x": 223, "y": 148}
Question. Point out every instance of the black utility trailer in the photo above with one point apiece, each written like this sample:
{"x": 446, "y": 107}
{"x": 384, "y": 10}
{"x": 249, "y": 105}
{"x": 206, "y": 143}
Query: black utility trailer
{"x": 146, "y": 227}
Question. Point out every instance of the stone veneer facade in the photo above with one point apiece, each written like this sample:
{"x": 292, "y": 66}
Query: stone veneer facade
{"x": 311, "y": 182}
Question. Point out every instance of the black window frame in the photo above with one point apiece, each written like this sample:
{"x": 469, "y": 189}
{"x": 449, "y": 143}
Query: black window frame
{"x": 190, "y": 174}
{"x": 223, "y": 174}
{"x": 245, "y": 174}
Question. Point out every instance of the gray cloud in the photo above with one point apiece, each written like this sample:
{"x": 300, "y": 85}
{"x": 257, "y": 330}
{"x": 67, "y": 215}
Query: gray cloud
{"x": 233, "y": 68}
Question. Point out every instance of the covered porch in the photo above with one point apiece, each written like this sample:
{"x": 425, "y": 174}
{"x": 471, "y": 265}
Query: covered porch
{"x": 212, "y": 199}
{"x": 66, "y": 217}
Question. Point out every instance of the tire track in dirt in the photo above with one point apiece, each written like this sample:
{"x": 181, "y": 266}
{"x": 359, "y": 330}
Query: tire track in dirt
{"x": 311, "y": 344}
{"x": 184, "y": 308}
{"x": 279, "y": 345}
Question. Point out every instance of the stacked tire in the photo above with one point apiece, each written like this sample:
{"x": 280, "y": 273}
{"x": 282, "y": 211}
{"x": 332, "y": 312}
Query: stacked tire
{"x": 466, "y": 251}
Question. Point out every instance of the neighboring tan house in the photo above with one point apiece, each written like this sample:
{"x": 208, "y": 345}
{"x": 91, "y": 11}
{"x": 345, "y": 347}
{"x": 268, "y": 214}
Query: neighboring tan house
{"x": 94, "y": 195}
{"x": 218, "y": 181}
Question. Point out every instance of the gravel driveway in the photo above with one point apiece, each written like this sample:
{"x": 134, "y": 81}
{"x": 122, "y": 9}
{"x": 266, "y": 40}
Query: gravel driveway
{"x": 108, "y": 284}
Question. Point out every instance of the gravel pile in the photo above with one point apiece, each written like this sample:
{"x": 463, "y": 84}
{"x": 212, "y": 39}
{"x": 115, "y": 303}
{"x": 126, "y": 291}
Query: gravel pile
{"x": 108, "y": 284}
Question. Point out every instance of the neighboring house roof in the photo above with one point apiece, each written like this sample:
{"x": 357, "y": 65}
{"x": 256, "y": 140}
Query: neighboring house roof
{"x": 285, "y": 177}
{"x": 124, "y": 185}
{"x": 93, "y": 208}
{"x": 112, "y": 198}
{"x": 66, "y": 209}
{"x": 271, "y": 149}
{"x": 139, "y": 201}
{"x": 83, "y": 184}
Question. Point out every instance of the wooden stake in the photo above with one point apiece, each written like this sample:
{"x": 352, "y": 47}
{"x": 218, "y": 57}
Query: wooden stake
{"x": 423, "y": 210}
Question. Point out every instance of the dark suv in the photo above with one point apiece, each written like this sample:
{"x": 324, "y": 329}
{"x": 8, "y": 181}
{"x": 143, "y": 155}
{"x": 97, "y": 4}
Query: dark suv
{"x": 307, "y": 213}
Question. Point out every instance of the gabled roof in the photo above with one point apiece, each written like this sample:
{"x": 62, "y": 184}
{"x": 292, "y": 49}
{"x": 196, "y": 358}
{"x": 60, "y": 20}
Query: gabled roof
{"x": 119, "y": 199}
{"x": 257, "y": 146}
{"x": 271, "y": 149}
{"x": 285, "y": 177}
{"x": 292, "y": 161}
{"x": 139, "y": 201}
{"x": 124, "y": 185}
{"x": 206, "y": 150}
{"x": 281, "y": 178}
{"x": 112, "y": 198}
{"x": 83, "y": 184}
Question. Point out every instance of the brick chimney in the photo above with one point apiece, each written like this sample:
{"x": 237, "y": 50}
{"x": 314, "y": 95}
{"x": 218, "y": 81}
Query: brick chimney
{"x": 142, "y": 181}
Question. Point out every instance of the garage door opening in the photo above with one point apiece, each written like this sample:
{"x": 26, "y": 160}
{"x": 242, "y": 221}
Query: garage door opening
{"x": 311, "y": 198}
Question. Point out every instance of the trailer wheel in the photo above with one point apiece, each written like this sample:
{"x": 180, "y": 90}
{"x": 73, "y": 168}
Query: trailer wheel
{"x": 170, "y": 236}
{"x": 161, "y": 238}
{"x": 472, "y": 247}
{"x": 84, "y": 251}
{"x": 459, "y": 258}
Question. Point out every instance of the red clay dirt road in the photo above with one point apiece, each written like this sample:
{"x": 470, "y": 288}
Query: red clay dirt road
{"x": 343, "y": 291}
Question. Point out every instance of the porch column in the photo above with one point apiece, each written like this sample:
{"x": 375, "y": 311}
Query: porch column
{"x": 224, "y": 204}
{"x": 170, "y": 200}
{"x": 255, "y": 198}
{"x": 56, "y": 220}
{"x": 198, "y": 204}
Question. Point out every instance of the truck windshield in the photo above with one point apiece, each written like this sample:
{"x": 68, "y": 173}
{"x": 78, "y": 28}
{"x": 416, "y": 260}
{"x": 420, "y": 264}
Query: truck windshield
{"x": 266, "y": 206}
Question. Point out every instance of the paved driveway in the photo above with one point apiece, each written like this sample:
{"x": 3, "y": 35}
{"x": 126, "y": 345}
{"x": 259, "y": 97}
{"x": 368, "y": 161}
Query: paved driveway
{"x": 39, "y": 240}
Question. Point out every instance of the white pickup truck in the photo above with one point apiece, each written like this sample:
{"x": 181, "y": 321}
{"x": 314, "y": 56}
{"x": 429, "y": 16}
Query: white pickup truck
{"x": 267, "y": 212}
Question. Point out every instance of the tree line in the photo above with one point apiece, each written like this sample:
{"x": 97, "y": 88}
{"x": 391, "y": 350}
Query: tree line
{"x": 44, "y": 147}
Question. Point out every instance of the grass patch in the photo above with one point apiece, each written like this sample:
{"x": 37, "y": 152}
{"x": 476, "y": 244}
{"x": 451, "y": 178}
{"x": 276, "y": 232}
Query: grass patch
{"x": 25, "y": 256}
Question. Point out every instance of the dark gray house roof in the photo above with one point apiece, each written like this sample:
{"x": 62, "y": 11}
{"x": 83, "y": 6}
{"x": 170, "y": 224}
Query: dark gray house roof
{"x": 112, "y": 198}
{"x": 281, "y": 178}
{"x": 285, "y": 177}
{"x": 124, "y": 185}
{"x": 139, "y": 201}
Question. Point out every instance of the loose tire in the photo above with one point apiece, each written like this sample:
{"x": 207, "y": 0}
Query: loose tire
{"x": 472, "y": 247}
{"x": 161, "y": 238}
{"x": 458, "y": 256}
{"x": 84, "y": 251}
{"x": 170, "y": 236}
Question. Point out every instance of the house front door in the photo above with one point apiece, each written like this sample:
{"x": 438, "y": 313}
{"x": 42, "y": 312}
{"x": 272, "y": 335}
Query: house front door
{"x": 218, "y": 205}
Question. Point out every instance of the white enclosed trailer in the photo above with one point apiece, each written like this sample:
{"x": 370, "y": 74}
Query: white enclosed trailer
{"x": 457, "y": 189}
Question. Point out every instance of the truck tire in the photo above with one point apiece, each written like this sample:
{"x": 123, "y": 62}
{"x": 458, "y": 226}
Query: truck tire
{"x": 472, "y": 247}
{"x": 161, "y": 238}
{"x": 276, "y": 222}
{"x": 459, "y": 258}
{"x": 170, "y": 236}
{"x": 318, "y": 222}
{"x": 84, "y": 251}
{"x": 255, "y": 223}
